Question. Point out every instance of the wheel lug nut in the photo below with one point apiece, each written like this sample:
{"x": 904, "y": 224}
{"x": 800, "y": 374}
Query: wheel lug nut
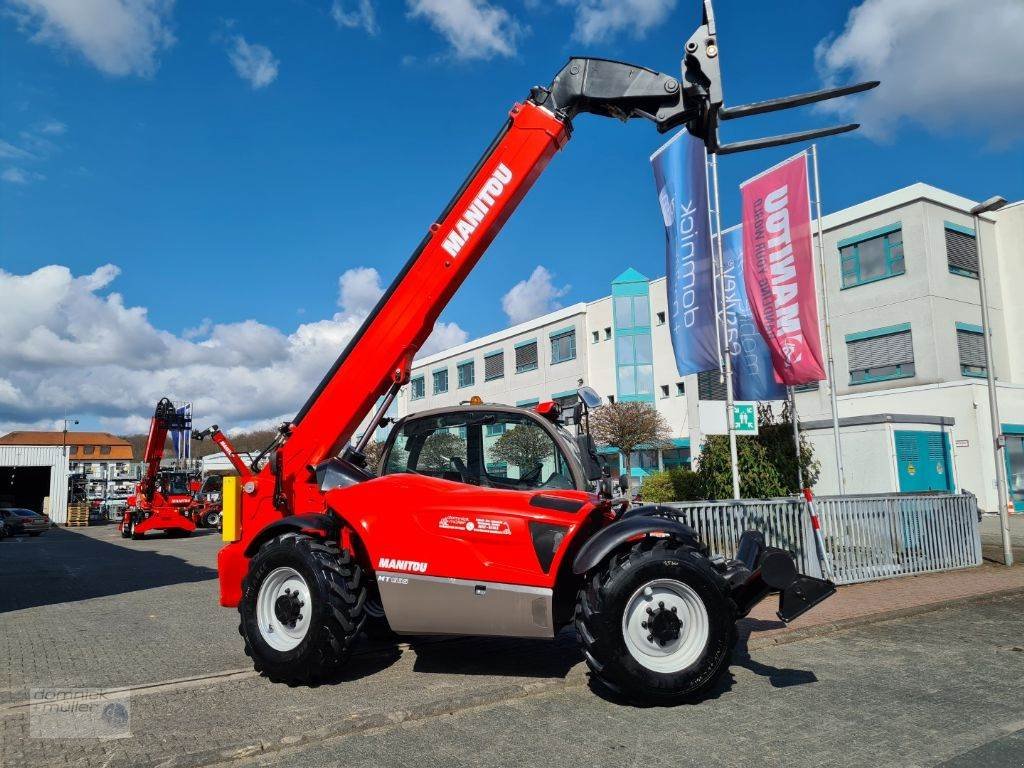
{"x": 661, "y": 603}
{"x": 650, "y": 612}
{"x": 650, "y": 637}
{"x": 643, "y": 624}
{"x": 673, "y": 608}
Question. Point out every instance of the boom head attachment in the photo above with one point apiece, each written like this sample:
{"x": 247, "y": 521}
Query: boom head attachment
{"x": 696, "y": 101}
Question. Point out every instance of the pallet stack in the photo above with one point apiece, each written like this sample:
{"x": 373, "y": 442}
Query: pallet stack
{"x": 78, "y": 515}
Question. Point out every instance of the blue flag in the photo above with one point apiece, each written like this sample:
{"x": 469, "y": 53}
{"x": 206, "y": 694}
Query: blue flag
{"x": 681, "y": 176}
{"x": 182, "y": 438}
{"x": 752, "y": 374}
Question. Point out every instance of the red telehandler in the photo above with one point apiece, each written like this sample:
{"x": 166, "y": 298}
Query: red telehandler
{"x": 205, "y": 510}
{"x": 162, "y": 497}
{"x": 445, "y": 542}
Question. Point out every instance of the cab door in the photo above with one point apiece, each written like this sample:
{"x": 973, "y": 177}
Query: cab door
{"x": 491, "y": 498}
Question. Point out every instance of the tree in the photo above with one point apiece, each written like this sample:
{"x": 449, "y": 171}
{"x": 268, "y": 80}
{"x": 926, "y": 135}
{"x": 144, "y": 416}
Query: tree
{"x": 373, "y": 451}
{"x": 628, "y": 426}
{"x": 776, "y": 435}
{"x": 439, "y": 449}
{"x": 524, "y": 446}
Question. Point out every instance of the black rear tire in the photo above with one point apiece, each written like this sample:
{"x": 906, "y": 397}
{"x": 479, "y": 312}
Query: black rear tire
{"x": 605, "y": 597}
{"x": 337, "y": 593}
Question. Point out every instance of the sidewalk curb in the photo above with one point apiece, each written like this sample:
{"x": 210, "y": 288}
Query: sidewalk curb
{"x": 794, "y": 636}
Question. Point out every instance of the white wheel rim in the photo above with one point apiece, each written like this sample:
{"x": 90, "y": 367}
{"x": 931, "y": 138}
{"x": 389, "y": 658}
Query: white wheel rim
{"x": 675, "y": 655}
{"x": 279, "y": 635}
{"x": 214, "y": 519}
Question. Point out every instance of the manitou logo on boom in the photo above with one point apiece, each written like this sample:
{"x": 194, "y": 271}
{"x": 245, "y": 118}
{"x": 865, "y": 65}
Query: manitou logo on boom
{"x": 390, "y": 564}
{"x": 477, "y": 210}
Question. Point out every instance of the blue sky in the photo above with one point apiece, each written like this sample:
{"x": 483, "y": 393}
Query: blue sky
{"x": 233, "y": 160}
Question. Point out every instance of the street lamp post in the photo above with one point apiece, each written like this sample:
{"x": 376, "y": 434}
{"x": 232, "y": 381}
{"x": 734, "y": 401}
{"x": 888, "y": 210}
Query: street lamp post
{"x": 993, "y": 204}
{"x": 64, "y": 440}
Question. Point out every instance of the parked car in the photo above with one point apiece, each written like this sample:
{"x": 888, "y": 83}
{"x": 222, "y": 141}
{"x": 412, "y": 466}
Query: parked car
{"x": 18, "y": 520}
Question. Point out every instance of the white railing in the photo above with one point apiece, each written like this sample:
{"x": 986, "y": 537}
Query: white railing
{"x": 866, "y": 537}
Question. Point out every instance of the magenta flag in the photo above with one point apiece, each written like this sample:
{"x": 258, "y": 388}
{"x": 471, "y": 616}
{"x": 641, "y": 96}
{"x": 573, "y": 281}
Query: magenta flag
{"x": 779, "y": 269}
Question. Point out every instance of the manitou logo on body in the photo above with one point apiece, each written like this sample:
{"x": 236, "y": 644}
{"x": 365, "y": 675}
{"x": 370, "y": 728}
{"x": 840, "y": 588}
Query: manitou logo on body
{"x": 477, "y": 210}
{"x": 784, "y": 285}
{"x": 390, "y": 564}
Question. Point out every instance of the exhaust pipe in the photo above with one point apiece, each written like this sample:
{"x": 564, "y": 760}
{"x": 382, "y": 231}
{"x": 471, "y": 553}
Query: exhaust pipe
{"x": 760, "y": 570}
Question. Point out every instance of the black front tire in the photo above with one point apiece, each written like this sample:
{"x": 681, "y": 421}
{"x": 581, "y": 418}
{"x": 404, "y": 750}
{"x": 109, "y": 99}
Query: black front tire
{"x": 337, "y": 592}
{"x": 604, "y": 599}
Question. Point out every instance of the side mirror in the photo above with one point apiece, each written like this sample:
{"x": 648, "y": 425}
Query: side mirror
{"x": 589, "y": 396}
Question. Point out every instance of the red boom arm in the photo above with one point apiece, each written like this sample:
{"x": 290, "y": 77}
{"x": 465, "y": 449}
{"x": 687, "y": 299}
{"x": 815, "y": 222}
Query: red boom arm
{"x": 165, "y": 418}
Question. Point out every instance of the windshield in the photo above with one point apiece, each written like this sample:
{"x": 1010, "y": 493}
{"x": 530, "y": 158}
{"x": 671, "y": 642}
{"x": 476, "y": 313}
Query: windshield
{"x": 24, "y": 512}
{"x": 176, "y": 483}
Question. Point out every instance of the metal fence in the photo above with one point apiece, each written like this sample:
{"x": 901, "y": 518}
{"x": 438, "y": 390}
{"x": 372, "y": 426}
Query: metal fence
{"x": 866, "y": 537}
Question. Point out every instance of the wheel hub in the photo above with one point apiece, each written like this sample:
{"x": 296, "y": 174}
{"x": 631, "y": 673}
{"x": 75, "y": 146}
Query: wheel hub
{"x": 662, "y": 624}
{"x": 288, "y": 608}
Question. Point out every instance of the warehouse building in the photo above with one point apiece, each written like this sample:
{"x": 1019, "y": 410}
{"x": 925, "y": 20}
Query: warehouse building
{"x": 104, "y": 460}
{"x": 901, "y": 272}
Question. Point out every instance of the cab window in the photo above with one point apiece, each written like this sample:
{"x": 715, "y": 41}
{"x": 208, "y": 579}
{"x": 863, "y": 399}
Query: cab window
{"x": 490, "y": 449}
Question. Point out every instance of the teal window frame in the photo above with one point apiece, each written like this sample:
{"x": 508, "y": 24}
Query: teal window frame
{"x": 901, "y": 372}
{"x": 463, "y": 379}
{"x": 1013, "y": 431}
{"x": 488, "y": 356}
{"x": 972, "y": 371}
{"x": 434, "y": 375}
{"x": 527, "y": 368}
{"x": 528, "y": 403}
{"x": 555, "y": 337}
{"x": 964, "y": 231}
{"x": 493, "y": 430}
{"x": 422, "y": 381}
{"x": 852, "y": 257}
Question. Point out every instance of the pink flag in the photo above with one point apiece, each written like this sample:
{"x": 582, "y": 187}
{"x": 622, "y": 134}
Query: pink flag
{"x": 779, "y": 270}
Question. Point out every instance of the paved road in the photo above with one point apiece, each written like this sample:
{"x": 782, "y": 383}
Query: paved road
{"x": 84, "y": 608}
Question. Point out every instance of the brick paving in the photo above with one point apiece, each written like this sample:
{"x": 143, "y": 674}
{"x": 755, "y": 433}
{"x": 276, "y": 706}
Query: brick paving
{"x": 84, "y": 608}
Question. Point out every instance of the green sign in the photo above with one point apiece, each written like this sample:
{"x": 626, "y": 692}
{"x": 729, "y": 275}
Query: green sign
{"x": 744, "y": 418}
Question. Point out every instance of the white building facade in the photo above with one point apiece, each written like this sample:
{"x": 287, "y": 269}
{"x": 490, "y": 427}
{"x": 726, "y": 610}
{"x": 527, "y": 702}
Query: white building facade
{"x": 901, "y": 275}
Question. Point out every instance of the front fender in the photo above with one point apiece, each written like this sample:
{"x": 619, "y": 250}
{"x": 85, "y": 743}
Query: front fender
{"x": 607, "y": 540}
{"x": 320, "y": 525}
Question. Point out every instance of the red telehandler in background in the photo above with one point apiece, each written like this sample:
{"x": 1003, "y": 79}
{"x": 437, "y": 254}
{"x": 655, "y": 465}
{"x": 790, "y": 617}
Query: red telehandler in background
{"x": 441, "y": 542}
{"x": 208, "y": 500}
{"x": 162, "y": 497}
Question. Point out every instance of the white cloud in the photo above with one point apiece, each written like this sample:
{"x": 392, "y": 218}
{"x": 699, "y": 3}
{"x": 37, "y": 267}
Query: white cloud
{"x": 14, "y": 176}
{"x": 118, "y": 37}
{"x": 533, "y": 297}
{"x": 253, "y": 62}
{"x": 598, "y": 20}
{"x": 947, "y": 65}
{"x": 475, "y": 29}
{"x": 53, "y": 128}
{"x": 10, "y": 152}
{"x": 444, "y": 336}
{"x": 355, "y": 14}
{"x": 70, "y": 342}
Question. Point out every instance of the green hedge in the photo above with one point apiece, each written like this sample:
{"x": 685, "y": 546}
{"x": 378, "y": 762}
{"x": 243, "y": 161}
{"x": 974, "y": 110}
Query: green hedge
{"x": 676, "y": 484}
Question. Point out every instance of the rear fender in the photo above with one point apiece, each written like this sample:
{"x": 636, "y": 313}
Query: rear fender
{"x": 619, "y": 533}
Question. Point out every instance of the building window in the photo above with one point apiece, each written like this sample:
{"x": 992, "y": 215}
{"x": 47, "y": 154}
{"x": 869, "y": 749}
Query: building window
{"x": 607, "y": 333}
{"x": 467, "y": 373}
{"x": 634, "y": 364}
{"x": 493, "y": 430}
{"x": 645, "y": 459}
{"x": 961, "y": 250}
{"x": 970, "y": 341}
{"x": 675, "y": 457}
{"x": 680, "y": 389}
{"x": 494, "y": 366}
{"x": 440, "y": 381}
{"x": 526, "y": 356}
{"x": 72, "y": 450}
{"x": 88, "y": 450}
{"x": 596, "y": 335}
{"x": 661, "y": 318}
{"x": 563, "y": 346}
{"x": 872, "y": 256}
{"x": 104, "y": 450}
{"x": 498, "y": 468}
{"x": 880, "y": 355}
{"x": 664, "y": 390}
{"x": 632, "y": 312}
{"x": 417, "y": 388}
{"x": 710, "y": 386}
{"x": 812, "y": 386}
{"x": 528, "y": 403}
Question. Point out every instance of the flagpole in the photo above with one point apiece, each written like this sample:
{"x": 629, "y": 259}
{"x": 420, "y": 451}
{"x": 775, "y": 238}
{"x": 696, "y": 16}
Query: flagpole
{"x": 791, "y": 392}
{"x": 724, "y": 338}
{"x": 840, "y": 467}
